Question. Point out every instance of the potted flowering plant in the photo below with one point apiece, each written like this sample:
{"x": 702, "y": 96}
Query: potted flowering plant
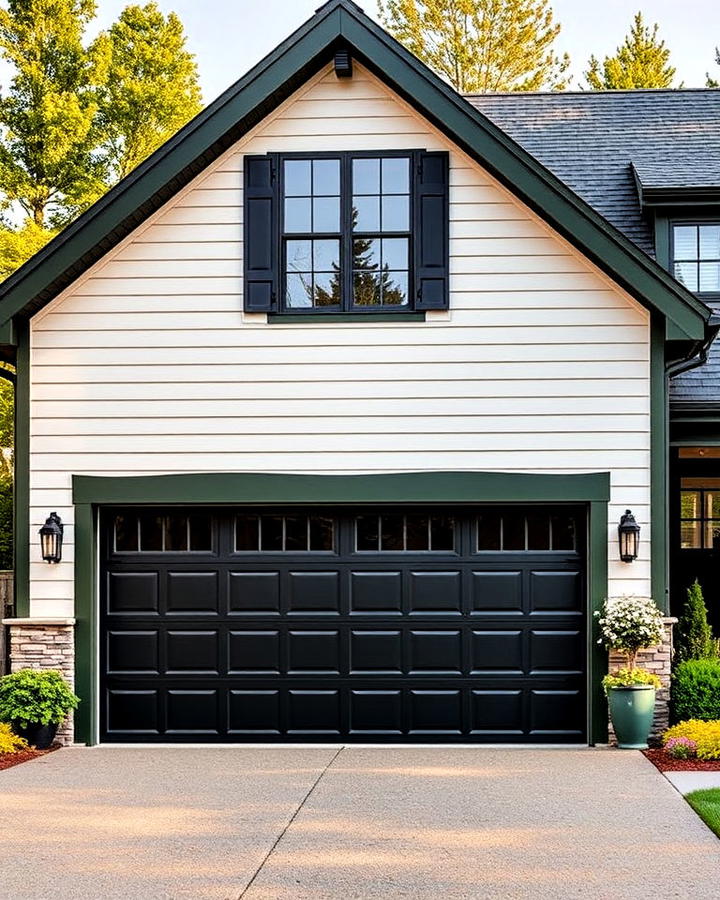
{"x": 35, "y": 702}
{"x": 630, "y": 624}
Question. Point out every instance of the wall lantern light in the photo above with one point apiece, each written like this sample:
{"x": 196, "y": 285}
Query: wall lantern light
{"x": 51, "y": 538}
{"x": 628, "y": 537}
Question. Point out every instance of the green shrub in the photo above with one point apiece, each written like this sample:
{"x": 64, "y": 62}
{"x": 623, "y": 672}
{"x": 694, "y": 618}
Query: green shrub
{"x": 9, "y": 741}
{"x": 695, "y": 690}
{"x": 694, "y": 636}
{"x": 35, "y": 695}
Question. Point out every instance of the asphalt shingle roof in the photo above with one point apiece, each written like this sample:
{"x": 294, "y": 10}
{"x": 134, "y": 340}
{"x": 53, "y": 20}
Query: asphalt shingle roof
{"x": 596, "y": 142}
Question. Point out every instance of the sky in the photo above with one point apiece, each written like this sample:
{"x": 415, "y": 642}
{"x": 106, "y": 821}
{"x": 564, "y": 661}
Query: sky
{"x": 229, "y": 36}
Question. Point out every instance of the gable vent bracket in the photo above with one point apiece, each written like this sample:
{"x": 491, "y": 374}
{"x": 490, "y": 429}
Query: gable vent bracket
{"x": 343, "y": 64}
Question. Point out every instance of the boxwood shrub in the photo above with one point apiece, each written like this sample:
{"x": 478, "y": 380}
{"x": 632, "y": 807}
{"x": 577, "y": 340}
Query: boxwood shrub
{"x": 695, "y": 690}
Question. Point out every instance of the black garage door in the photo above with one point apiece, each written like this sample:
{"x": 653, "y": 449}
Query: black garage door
{"x": 369, "y": 625}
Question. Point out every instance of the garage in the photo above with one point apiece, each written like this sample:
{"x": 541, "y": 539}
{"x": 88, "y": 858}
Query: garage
{"x": 395, "y": 624}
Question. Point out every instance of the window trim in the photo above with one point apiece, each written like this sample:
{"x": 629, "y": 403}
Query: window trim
{"x": 345, "y": 235}
{"x": 691, "y": 221}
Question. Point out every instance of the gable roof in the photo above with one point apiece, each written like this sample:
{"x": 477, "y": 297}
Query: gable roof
{"x": 340, "y": 23}
{"x": 617, "y": 148}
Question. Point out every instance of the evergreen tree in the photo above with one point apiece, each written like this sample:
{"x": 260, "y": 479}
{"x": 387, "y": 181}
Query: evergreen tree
{"x": 152, "y": 86}
{"x": 642, "y": 61}
{"x": 694, "y": 635}
{"x": 711, "y": 82}
{"x": 481, "y": 45}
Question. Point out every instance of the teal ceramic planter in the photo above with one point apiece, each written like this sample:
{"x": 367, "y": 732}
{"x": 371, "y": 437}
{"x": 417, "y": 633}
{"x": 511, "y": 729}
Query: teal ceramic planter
{"x": 631, "y": 712}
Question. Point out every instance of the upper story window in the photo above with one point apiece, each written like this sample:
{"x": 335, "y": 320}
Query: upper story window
{"x": 696, "y": 256}
{"x": 346, "y": 232}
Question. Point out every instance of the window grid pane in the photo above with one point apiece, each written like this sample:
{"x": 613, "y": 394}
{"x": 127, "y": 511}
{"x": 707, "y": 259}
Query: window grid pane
{"x": 284, "y": 534}
{"x": 397, "y": 533}
{"x": 696, "y": 256}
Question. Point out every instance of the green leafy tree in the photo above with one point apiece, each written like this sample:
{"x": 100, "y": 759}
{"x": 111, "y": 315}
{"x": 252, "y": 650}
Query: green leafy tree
{"x": 17, "y": 245}
{"x": 642, "y": 61}
{"x": 694, "y": 638}
{"x": 481, "y": 45}
{"x": 152, "y": 86}
{"x": 711, "y": 82}
{"x": 48, "y": 115}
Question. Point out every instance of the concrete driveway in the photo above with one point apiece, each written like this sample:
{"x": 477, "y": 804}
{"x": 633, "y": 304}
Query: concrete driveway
{"x": 356, "y": 823}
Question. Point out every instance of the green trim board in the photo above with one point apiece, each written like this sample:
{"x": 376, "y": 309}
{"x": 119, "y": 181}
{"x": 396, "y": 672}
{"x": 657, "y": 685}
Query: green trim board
{"x": 21, "y": 494}
{"x": 407, "y": 487}
{"x": 340, "y": 23}
{"x": 659, "y": 483}
{"x": 90, "y": 493}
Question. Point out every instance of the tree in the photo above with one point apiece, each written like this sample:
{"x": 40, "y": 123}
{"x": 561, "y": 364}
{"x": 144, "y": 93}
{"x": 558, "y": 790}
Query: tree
{"x": 694, "y": 635}
{"x": 48, "y": 116}
{"x": 17, "y": 245}
{"x": 481, "y": 45}
{"x": 152, "y": 86}
{"x": 642, "y": 61}
{"x": 711, "y": 82}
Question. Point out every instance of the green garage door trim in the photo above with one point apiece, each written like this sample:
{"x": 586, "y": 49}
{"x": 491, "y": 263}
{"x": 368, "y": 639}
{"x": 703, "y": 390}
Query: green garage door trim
{"x": 90, "y": 492}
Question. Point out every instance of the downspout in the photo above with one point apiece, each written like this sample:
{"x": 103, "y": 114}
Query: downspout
{"x": 698, "y": 354}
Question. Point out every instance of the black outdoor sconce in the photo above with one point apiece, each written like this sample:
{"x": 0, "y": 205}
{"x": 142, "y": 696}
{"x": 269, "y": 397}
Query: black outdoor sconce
{"x": 628, "y": 536}
{"x": 51, "y": 538}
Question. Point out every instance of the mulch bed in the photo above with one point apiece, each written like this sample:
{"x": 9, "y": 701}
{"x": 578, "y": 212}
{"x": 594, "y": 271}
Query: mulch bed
{"x": 663, "y": 761}
{"x": 14, "y": 759}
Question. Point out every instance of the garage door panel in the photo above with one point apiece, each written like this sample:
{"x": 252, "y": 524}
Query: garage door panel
{"x": 375, "y": 652}
{"x": 193, "y": 712}
{"x": 435, "y": 592}
{"x": 557, "y": 712}
{"x": 193, "y": 653}
{"x": 497, "y": 652}
{"x": 374, "y": 713}
{"x": 254, "y": 713}
{"x": 316, "y": 652}
{"x": 435, "y": 712}
{"x": 133, "y": 712}
{"x": 425, "y": 638}
{"x": 497, "y": 593}
{"x": 376, "y": 593}
{"x": 133, "y": 652}
{"x": 254, "y": 593}
{"x": 497, "y": 713}
{"x": 254, "y": 652}
{"x": 133, "y": 593}
{"x": 555, "y": 592}
{"x": 314, "y": 592}
{"x": 435, "y": 652}
{"x": 556, "y": 652}
{"x": 314, "y": 712}
{"x": 192, "y": 593}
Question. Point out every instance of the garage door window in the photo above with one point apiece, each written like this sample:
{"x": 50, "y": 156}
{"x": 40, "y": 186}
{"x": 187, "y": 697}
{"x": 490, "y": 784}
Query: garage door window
{"x": 284, "y": 534}
{"x": 148, "y": 533}
{"x": 500, "y": 530}
{"x": 404, "y": 534}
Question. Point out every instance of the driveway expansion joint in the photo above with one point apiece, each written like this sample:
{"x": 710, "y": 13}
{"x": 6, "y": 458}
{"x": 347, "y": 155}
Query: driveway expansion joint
{"x": 288, "y": 824}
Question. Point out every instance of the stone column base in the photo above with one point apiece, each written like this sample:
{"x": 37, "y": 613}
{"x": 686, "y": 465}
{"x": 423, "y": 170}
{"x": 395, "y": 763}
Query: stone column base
{"x": 658, "y": 660}
{"x": 45, "y": 644}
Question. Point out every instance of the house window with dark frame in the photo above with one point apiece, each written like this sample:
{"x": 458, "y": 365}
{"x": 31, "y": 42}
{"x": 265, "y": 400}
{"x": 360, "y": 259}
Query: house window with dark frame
{"x": 696, "y": 255}
{"x": 699, "y": 514}
{"x": 346, "y": 232}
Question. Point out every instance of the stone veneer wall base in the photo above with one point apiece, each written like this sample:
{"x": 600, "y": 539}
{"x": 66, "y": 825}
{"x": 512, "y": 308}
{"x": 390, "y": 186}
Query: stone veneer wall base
{"x": 657, "y": 660}
{"x": 45, "y": 644}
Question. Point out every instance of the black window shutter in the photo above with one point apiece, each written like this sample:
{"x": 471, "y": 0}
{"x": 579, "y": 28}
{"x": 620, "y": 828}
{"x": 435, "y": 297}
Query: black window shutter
{"x": 260, "y": 226}
{"x": 432, "y": 227}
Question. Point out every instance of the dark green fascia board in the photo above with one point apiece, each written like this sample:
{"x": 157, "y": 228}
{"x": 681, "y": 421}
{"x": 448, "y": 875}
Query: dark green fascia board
{"x": 21, "y": 492}
{"x": 271, "y": 81}
{"x": 659, "y": 485}
{"x": 680, "y": 196}
{"x": 274, "y": 489}
{"x": 597, "y": 591}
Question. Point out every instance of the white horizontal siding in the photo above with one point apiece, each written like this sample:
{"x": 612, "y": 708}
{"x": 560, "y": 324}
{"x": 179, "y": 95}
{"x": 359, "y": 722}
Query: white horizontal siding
{"x": 147, "y": 364}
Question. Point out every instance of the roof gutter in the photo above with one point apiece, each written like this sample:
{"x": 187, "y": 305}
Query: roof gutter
{"x": 698, "y": 352}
